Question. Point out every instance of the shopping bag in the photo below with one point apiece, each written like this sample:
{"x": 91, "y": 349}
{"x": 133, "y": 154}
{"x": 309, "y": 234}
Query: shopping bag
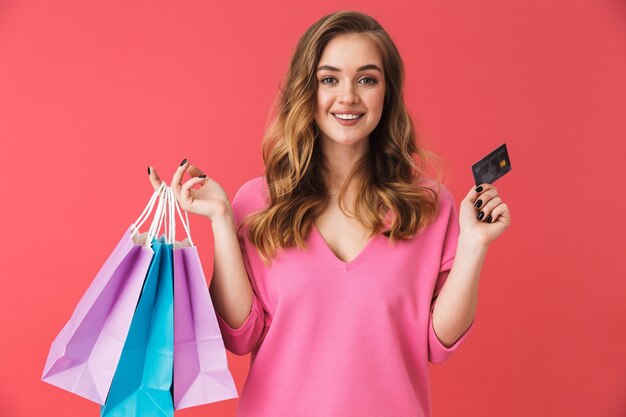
{"x": 201, "y": 373}
{"x": 84, "y": 355}
{"x": 143, "y": 379}
{"x": 142, "y": 382}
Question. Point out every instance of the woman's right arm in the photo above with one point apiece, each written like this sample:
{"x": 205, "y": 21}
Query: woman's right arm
{"x": 230, "y": 287}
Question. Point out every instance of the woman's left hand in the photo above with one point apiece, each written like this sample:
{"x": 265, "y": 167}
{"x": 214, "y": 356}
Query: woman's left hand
{"x": 494, "y": 220}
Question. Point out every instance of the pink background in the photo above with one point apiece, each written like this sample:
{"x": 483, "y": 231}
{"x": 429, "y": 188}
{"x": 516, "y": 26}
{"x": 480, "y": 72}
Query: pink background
{"x": 91, "y": 93}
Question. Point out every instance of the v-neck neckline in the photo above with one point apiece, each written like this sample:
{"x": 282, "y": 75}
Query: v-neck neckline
{"x": 332, "y": 254}
{"x": 359, "y": 256}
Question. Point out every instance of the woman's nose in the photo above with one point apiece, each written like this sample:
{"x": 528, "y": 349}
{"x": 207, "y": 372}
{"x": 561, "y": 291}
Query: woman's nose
{"x": 347, "y": 94}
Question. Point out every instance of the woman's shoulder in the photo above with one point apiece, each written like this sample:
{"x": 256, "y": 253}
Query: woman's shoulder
{"x": 252, "y": 195}
{"x": 443, "y": 193}
{"x": 252, "y": 186}
{"x": 446, "y": 204}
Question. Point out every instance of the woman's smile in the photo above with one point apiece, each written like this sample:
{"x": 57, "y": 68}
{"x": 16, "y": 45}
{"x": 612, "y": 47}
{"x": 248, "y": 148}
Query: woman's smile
{"x": 348, "y": 119}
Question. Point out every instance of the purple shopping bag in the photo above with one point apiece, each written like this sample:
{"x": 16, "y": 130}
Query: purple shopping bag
{"x": 201, "y": 373}
{"x": 84, "y": 355}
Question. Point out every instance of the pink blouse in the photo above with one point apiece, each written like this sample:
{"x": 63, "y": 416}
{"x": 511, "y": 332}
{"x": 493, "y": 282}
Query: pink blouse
{"x": 331, "y": 338}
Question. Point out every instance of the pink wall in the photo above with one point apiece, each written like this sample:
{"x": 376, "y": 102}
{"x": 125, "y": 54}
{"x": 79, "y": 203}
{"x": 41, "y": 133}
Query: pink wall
{"x": 91, "y": 93}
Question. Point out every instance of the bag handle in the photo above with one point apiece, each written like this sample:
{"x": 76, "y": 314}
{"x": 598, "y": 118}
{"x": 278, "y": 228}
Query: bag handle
{"x": 147, "y": 210}
{"x": 174, "y": 207}
{"x": 171, "y": 231}
{"x": 165, "y": 214}
{"x": 185, "y": 221}
{"x": 155, "y": 227}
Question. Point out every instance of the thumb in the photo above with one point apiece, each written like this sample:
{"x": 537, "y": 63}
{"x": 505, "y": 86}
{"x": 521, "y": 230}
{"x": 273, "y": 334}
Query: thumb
{"x": 154, "y": 178}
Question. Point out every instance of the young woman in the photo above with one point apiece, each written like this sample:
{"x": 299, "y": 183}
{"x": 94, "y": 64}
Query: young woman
{"x": 327, "y": 267}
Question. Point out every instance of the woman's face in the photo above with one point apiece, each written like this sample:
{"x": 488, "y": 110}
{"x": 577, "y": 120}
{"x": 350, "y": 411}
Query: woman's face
{"x": 350, "y": 81}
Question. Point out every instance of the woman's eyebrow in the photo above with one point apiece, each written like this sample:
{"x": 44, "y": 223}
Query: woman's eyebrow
{"x": 363, "y": 68}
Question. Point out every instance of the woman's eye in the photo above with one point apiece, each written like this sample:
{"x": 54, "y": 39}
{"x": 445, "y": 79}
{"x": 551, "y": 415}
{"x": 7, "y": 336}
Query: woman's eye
{"x": 331, "y": 80}
{"x": 371, "y": 81}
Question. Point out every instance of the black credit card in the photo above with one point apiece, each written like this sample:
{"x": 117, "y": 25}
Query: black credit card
{"x": 492, "y": 166}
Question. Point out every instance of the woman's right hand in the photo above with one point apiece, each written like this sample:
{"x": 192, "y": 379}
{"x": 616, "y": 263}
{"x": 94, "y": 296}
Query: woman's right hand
{"x": 210, "y": 200}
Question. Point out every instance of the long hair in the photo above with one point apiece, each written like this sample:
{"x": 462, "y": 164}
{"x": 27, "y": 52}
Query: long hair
{"x": 295, "y": 167}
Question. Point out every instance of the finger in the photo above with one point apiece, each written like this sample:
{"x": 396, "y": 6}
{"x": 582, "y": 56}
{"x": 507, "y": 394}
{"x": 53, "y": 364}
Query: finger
{"x": 488, "y": 208}
{"x": 498, "y": 212}
{"x": 476, "y": 191}
{"x": 194, "y": 171}
{"x": 485, "y": 197}
{"x": 177, "y": 179}
{"x": 185, "y": 192}
{"x": 154, "y": 178}
{"x": 481, "y": 188}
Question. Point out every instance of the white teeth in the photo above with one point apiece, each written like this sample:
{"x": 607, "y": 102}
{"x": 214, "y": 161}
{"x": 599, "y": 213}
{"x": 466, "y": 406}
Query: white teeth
{"x": 347, "y": 116}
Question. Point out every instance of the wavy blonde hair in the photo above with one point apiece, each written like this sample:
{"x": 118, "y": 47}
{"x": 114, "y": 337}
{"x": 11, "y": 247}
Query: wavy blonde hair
{"x": 295, "y": 167}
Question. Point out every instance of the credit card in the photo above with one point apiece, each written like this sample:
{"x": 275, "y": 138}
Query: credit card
{"x": 492, "y": 166}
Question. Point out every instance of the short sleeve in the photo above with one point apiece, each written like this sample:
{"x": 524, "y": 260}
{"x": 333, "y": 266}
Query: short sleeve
{"x": 437, "y": 351}
{"x": 244, "y": 339}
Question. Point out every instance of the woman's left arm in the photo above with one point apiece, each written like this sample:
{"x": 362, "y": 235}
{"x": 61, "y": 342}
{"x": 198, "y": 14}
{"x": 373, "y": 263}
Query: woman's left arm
{"x": 455, "y": 306}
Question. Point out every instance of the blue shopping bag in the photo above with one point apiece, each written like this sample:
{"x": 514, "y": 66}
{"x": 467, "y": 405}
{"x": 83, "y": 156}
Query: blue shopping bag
{"x": 143, "y": 378}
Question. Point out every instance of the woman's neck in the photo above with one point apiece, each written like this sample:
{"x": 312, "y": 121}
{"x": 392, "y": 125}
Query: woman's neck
{"x": 340, "y": 158}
